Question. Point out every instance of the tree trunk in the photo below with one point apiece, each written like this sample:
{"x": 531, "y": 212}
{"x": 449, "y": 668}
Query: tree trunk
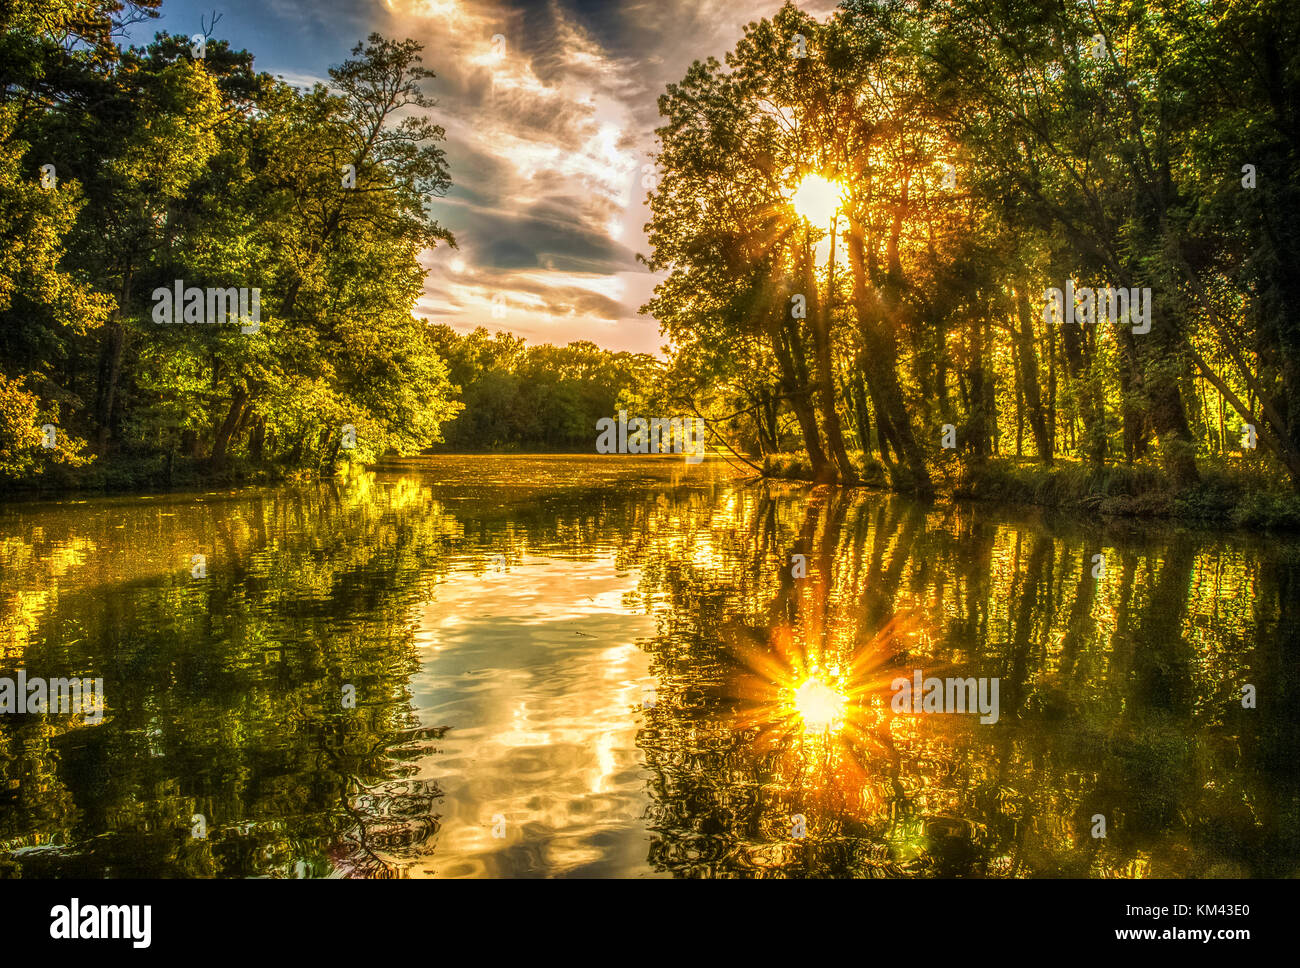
{"x": 1024, "y": 339}
{"x": 1077, "y": 359}
{"x": 881, "y": 371}
{"x": 797, "y": 391}
{"x": 257, "y": 442}
{"x": 110, "y": 372}
{"x": 226, "y": 431}
{"x": 820, "y": 313}
{"x": 1163, "y": 366}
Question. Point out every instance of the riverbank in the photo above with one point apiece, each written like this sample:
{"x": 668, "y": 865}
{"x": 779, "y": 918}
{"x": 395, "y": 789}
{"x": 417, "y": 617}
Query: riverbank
{"x": 1230, "y": 492}
{"x": 119, "y": 475}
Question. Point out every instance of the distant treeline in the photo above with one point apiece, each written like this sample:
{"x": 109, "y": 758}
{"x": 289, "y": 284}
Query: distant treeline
{"x": 538, "y": 398}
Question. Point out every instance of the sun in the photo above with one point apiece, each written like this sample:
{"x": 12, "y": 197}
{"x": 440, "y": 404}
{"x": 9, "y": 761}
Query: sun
{"x": 817, "y": 199}
{"x": 821, "y": 707}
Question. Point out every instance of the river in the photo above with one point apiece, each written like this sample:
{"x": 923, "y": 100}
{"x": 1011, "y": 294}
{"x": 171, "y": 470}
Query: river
{"x": 600, "y": 666}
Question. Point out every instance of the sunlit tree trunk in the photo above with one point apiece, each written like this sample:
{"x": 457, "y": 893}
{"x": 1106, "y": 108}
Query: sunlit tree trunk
{"x": 881, "y": 372}
{"x": 795, "y": 388}
{"x": 1028, "y": 372}
{"x": 226, "y": 430}
{"x": 819, "y": 312}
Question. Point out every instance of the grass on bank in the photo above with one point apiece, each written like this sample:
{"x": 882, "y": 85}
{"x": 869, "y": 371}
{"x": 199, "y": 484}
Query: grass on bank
{"x": 1237, "y": 492}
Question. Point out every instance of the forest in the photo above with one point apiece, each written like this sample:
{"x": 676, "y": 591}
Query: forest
{"x": 535, "y": 398}
{"x": 128, "y": 172}
{"x": 869, "y": 224}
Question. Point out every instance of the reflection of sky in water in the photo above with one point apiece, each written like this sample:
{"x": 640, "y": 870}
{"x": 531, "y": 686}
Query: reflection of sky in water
{"x": 1119, "y": 694}
{"x": 537, "y": 671}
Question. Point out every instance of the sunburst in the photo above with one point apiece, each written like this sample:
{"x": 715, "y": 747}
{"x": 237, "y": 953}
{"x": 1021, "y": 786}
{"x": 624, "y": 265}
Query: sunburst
{"x": 794, "y": 689}
{"x": 817, "y": 710}
{"x": 820, "y": 705}
{"x": 817, "y": 199}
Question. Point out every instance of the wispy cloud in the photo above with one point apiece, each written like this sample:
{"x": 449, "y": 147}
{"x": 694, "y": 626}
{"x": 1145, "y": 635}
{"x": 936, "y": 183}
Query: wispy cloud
{"x": 550, "y": 111}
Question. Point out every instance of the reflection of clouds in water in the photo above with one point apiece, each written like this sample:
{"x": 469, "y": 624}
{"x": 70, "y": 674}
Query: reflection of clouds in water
{"x": 539, "y": 675}
{"x": 1126, "y": 687}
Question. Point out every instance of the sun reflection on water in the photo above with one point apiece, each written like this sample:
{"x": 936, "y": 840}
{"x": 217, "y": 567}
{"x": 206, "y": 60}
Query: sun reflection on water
{"x": 820, "y": 706}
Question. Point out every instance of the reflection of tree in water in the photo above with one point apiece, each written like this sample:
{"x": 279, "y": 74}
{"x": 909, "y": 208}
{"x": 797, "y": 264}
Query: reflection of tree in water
{"x": 225, "y": 698}
{"x": 394, "y": 822}
{"x": 224, "y": 693}
{"x": 1120, "y": 696}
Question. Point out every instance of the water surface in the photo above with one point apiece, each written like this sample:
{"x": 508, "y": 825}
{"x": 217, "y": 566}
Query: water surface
{"x": 595, "y": 666}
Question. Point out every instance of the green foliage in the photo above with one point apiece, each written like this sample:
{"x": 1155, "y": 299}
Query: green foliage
{"x": 539, "y": 398}
{"x": 1226, "y": 494}
{"x": 169, "y": 167}
{"x": 23, "y": 451}
{"x": 987, "y": 153}
{"x": 20, "y": 436}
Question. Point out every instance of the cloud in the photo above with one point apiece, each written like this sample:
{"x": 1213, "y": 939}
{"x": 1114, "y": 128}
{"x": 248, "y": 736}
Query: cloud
{"x": 550, "y": 108}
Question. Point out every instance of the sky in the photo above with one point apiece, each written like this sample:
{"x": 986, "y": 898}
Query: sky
{"x": 550, "y": 108}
